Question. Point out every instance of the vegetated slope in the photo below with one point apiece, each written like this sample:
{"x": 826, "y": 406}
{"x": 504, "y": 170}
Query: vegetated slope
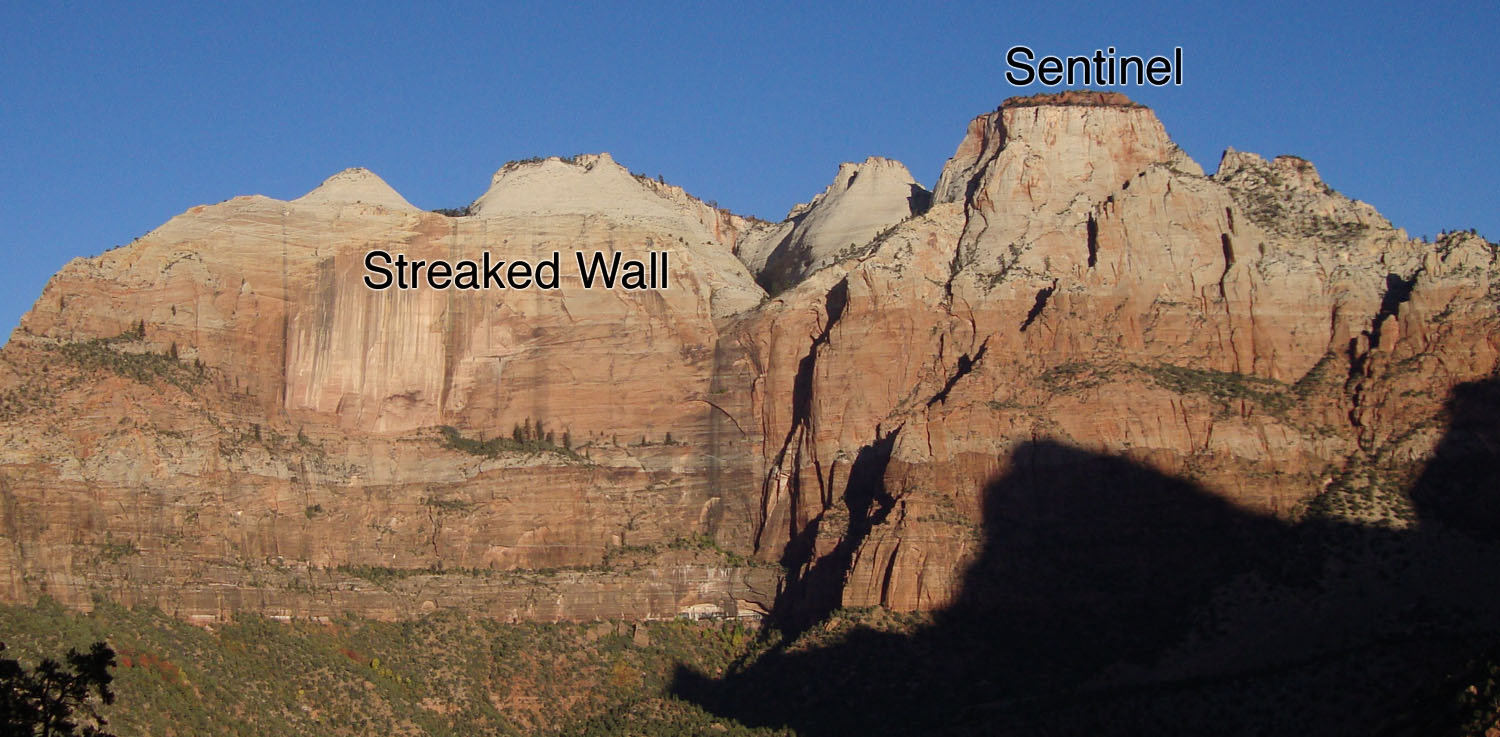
{"x": 440, "y": 675}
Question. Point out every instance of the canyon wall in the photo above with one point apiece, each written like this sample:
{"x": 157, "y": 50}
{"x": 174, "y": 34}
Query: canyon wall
{"x": 222, "y": 416}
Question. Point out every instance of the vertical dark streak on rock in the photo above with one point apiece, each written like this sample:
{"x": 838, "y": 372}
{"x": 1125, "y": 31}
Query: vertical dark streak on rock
{"x": 971, "y": 191}
{"x": 815, "y": 588}
{"x": 1228, "y": 249}
{"x": 286, "y": 306}
{"x": 717, "y": 445}
{"x": 890, "y": 572}
{"x": 450, "y": 337}
{"x": 802, "y": 391}
{"x": 1093, "y": 228}
{"x": 1397, "y": 292}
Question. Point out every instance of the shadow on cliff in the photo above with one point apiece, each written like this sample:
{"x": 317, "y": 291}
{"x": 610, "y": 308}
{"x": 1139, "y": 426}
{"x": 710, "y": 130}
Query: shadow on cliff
{"x": 1109, "y": 598}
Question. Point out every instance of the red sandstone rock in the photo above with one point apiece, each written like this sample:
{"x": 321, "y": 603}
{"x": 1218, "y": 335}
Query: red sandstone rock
{"x": 1077, "y": 280}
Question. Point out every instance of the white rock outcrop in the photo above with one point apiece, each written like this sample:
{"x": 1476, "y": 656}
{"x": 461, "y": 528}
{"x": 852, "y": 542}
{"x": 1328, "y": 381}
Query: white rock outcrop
{"x": 356, "y": 186}
{"x": 863, "y": 200}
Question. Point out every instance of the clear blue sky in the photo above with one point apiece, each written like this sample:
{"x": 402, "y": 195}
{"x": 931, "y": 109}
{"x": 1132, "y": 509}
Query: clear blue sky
{"x": 114, "y": 118}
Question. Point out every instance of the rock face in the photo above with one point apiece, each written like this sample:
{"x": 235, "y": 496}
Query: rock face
{"x": 247, "y": 361}
{"x": 353, "y": 187}
{"x": 842, "y": 222}
{"x": 1092, "y": 287}
{"x": 222, "y": 416}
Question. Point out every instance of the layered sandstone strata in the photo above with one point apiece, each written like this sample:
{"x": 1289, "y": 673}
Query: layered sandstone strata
{"x": 222, "y": 416}
{"x": 863, "y": 201}
{"x": 226, "y": 396}
{"x": 1080, "y": 281}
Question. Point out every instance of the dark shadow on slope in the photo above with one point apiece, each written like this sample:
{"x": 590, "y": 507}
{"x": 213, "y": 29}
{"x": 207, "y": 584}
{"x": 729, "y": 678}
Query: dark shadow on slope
{"x": 802, "y": 388}
{"x": 781, "y": 263}
{"x": 814, "y": 587}
{"x": 1112, "y": 599}
{"x": 1042, "y": 295}
{"x": 966, "y": 364}
{"x": 919, "y": 201}
{"x": 1397, "y": 292}
{"x": 806, "y": 596}
{"x": 802, "y": 393}
{"x": 1461, "y": 486}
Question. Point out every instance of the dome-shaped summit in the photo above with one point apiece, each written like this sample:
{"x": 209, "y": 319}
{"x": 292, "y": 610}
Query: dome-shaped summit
{"x": 353, "y": 186}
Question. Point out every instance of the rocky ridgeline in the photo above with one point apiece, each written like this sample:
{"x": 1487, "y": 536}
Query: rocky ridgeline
{"x": 221, "y": 416}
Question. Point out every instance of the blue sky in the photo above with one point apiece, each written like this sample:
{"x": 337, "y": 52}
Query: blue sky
{"x": 113, "y": 118}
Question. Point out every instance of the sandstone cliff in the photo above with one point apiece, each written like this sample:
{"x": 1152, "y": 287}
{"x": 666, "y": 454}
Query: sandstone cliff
{"x": 221, "y": 416}
{"x": 863, "y": 201}
{"x": 235, "y": 416}
{"x": 1079, "y": 280}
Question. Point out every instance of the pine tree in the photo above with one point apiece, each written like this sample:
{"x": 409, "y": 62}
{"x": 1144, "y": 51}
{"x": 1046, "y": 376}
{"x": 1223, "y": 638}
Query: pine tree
{"x": 55, "y": 699}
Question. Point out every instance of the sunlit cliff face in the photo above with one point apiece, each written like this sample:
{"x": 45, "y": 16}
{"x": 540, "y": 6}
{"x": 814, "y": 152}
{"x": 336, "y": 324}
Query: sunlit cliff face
{"x": 230, "y": 396}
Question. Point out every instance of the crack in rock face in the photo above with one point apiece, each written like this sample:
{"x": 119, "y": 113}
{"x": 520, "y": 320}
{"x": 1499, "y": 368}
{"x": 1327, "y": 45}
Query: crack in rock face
{"x": 809, "y": 418}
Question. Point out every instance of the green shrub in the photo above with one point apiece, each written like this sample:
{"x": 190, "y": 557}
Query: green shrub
{"x": 520, "y": 441}
{"x": 1223, "y": 386}
{"x": 143, "y": 367}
